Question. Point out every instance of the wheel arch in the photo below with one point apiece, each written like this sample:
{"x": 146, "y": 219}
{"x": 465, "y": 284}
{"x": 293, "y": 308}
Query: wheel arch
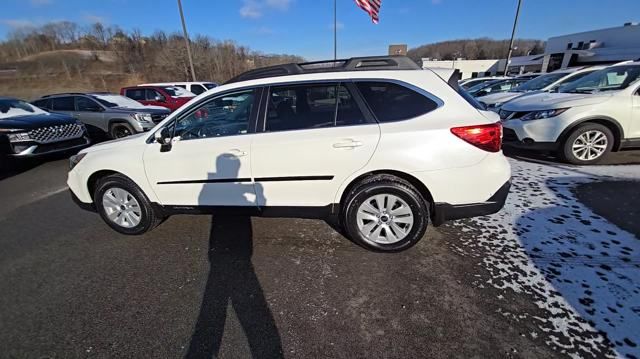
{"x": 419, "y": 185}
{"x": 609, "y": 122}
{"x": 93, "y": 179}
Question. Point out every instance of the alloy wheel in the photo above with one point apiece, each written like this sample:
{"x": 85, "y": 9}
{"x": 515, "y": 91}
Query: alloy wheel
{"x": 121, "y": 207}
{"x": 589, "y": 145}
{"x": 384, "y": 219}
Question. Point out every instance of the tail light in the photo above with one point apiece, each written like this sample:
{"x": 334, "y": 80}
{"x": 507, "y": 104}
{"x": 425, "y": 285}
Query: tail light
{"x": 486, "y": 137}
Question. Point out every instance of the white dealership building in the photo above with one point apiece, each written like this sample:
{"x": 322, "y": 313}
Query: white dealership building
{"x": 604, "y": 46}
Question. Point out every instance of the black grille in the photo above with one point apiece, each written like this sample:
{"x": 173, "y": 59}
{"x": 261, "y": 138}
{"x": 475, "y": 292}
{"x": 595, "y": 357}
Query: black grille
{"x": 56, "y": 133}
{"x": 158, "y": 118}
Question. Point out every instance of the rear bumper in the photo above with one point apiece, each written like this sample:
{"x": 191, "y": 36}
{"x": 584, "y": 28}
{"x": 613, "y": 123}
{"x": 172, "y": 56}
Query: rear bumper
{"x": 448, "y": 212}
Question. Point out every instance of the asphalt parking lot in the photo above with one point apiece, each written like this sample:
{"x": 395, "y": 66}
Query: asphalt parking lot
{"x": 198, "y": 286}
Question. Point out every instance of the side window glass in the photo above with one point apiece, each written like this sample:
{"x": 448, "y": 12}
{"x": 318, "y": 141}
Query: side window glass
{"x": 197, "y": 89}
{"x": 152, "y": 94}
{"x": 225, "y": 115}
{"x": 136, "y": 94}
{"x": 63, "y": 104}
{"x": 85, "y": 104}
{"x": 300, "y": 107}
{"x": 392, "y": 102}
{"x": 45, "y": 104}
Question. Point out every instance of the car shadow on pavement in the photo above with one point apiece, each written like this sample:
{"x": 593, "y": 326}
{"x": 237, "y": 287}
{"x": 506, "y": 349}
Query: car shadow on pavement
{"x": 232, "y": 279}
{"x": 590, "y": 263}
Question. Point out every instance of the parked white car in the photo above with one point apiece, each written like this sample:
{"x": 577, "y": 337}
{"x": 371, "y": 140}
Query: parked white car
{"x": 378, "y": 142}
{"x": 545, "y": 83}
{"x": 590, "y": 117}
{"x": 194, "y": 87}
{"x": 468, "y": 83}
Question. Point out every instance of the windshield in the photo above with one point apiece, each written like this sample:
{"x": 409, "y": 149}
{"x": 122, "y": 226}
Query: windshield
{"x": 539, "y": 82}
{"x": 609, "y": 79}
{"x": 178, "y": 92}
{"x": 209, "y": 86}
{"x": 13, "y": 108}
{"x": 117, "y": 101}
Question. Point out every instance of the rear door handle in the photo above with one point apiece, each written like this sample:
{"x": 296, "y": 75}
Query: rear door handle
{"x": 235, "y": 152}
{"x": 347, "y": 144}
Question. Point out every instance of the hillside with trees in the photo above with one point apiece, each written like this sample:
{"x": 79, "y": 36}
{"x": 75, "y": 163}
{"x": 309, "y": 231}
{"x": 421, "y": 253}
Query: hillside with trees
{"x": 476, "y": 49}
{"x": 63, "y": 56}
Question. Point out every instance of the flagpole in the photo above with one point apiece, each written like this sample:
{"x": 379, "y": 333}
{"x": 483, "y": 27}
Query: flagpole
{"x": 335, "y": 31}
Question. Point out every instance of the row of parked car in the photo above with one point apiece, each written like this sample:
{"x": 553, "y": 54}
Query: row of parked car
{"x": 579, "y": 113}
{"x": 68, "y": 121}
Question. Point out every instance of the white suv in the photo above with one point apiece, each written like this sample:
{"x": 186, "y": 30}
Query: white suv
{"x": 378, "y": 142}
{"x": 590, "y": 117}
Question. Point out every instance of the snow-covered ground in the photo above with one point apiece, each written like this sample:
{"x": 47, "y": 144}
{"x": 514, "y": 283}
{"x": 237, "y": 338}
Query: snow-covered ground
{"x": 582, "y": 270}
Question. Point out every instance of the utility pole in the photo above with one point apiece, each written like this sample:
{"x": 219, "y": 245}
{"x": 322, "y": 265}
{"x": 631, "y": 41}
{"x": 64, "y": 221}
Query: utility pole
{"x": 335, "y": 31}
{"x": 513, "y": 34}
{"x": 186, "y": 40}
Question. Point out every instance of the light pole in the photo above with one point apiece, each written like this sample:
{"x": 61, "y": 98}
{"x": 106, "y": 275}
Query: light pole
{"x": 513, "y": 34}
{"x": 186, "y": 40}
{"x": 335, "y": 31}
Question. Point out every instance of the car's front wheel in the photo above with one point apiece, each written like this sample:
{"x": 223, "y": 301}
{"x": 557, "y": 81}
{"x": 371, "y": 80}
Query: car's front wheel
{"x": 119, "y": 130}
{"x": 123, "y": 205}
{"x": 587, "y": 144}
{"x": 385, "y": 213}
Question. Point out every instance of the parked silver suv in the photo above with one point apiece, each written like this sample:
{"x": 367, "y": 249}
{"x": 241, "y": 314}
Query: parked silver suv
{"x": 104, "y": 113}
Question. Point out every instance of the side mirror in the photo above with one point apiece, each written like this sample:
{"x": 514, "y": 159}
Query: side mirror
{"x": 159, "y": 99}
{"x": 163, "y": 137}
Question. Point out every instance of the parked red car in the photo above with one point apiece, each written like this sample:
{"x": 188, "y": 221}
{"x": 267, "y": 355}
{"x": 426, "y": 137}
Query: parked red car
{"x": 165, "y": 96}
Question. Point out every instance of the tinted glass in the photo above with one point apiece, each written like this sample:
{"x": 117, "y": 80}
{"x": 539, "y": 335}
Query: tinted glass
{"x": 44, "y": 103}
{"x": 63, "y": 104}
{"x": 225, "y": 115}
{"x": 85, "y": 104}
{"x": 197, "y": 89}
{"x": 136, "y": 94}
{"x": 392, "y": 102}
{"x": 152, "y": 94}
{"x": 539, "y": 82}
{"x": 301, "y": 107}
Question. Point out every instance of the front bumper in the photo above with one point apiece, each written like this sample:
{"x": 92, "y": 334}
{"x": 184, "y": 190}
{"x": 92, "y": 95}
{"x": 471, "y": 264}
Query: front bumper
{"x": 448, "y": 212}
{"x": 35, "y": 149}
{"x": 510, "y": 140}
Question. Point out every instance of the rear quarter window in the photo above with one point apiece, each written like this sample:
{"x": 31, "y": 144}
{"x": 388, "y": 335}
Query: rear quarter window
{"x": 391, "y": 102}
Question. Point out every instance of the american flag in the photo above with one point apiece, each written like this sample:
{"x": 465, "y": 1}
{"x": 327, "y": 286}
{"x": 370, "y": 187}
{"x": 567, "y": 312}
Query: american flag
{"x": 370, "y": 6}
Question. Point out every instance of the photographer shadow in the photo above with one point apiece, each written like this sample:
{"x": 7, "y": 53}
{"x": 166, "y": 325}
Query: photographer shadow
{"x": 232, "y": 279}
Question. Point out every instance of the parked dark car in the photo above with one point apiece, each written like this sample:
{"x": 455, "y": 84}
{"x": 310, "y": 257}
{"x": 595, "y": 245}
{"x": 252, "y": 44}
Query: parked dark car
{"x": 104, "y": 113}
{"x": 27, "y": 131}
{"x": 170, "y": 97}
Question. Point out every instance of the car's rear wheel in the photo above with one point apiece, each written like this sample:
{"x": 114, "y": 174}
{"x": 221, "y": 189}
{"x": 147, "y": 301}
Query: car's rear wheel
{"x": 123, "y": 206}
{"x": 385, "y": 213}
{"x": 119, "y": 130}
{"x": 587, "y": 144}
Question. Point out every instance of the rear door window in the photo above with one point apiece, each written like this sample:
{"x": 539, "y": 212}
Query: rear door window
{"x": 197, "y": 89}
{"x": 63, "y": 104}
{"x": 136, "y": 94}
{"x": 392, "y": 102}
{"x": 309, "y": 106}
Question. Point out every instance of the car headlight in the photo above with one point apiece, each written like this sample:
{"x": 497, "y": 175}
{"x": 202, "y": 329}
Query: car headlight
{"x": 19, "y": 137}
{"x": 537, "y": 115}
{"x": 75, "y": 159}
{"x": 142, "y": 117}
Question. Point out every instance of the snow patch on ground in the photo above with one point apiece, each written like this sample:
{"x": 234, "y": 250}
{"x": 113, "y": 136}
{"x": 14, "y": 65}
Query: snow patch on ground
{"x": 582, "y": 270}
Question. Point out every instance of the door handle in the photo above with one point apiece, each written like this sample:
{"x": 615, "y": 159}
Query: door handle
{"x": 347, "y": 144}
{"x": 235, "y": 152}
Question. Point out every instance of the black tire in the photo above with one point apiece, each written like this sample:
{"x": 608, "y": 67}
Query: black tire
{"x": 120, "y": 130}
{"x": 566, "y": 151}
{"x": 392, "y": 185}
{"x": 149, "y": 219}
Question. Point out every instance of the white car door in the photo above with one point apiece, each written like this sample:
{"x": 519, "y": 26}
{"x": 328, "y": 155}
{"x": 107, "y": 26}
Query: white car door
{"x": 208, "y": 163}
{"x": 314, "y": 136}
